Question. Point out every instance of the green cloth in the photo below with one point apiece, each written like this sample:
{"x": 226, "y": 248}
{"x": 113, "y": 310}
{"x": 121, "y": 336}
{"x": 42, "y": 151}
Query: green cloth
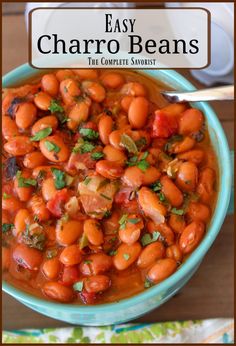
{"x": 201, "y": 331}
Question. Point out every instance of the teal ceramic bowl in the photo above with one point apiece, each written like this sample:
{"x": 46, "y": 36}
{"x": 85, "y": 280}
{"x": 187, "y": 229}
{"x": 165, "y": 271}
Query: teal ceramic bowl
{"x": 131, "y": 308}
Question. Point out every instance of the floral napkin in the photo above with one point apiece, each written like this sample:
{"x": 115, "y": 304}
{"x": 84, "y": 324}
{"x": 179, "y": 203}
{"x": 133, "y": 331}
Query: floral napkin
{"x": 201, "y": 331}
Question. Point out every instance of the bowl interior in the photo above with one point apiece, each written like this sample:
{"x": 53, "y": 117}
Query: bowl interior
{"x": 176, "y": 81}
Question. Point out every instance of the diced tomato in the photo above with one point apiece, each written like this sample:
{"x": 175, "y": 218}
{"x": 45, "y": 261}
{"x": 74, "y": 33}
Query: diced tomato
{"x": 56, "y": 204}
{"x": 69, "y": 275}
{"x": 122, "y": 199}
{"x": 163, "y": 125}
{"x": 81, "y": 161}
{"x": 88, "y": 298}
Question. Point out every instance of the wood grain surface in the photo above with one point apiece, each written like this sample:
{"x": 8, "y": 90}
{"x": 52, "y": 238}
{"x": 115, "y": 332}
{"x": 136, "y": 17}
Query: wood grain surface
{"x": 208, "y": 294}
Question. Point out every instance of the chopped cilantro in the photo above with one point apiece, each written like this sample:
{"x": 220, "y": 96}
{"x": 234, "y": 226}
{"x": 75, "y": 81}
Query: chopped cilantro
{"x": 106, "y": 197}
{"x": 148, "y": 283}
{"x": 87, "y": 261}
{"x": 55, "y": 106}
{"x": 85, "y": 147}
{"x": 97, "y": 155}
{"x": 41, "y": 134}
{"x": 25, "y": 182}
{"x": 6, "y": 227}
{"x": 107, "y": 214}
{"x": 134, "y": 220}
{"x": 87, "y": 180}
{"x": 140, "y": 143}
{"x": 89, "y": 134}
{"x": 142, "y": 163}
{"x": 6, "y": 195}
{"x": 156, "y": 186}
{"x": 51, "y": 253}
{"x": 148, "y": 238}
{"x": 123, "y": 220}
{"x": 59, "y": 178}
{"x": 177, "y": 211}
{"x": 171, "y": 141}
{"x": 112, "y": 252}
{"x": 162, "y": 197}
{"x": 50, "y": 146}
{"x": 41, "y": 174}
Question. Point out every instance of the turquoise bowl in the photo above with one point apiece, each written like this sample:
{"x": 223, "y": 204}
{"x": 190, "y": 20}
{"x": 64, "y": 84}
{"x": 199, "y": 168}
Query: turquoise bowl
{"x": 131, "y": 308}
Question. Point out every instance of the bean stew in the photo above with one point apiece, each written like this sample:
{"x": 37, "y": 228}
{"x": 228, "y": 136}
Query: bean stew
{"x": 107, "y": 188}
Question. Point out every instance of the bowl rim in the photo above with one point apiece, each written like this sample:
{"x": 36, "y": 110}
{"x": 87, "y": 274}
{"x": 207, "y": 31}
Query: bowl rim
{"x": 195, "y": 258}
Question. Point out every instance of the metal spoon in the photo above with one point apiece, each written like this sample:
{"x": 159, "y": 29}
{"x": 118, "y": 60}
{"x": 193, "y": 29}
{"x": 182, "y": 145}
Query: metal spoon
{"x": 211, "y": 94}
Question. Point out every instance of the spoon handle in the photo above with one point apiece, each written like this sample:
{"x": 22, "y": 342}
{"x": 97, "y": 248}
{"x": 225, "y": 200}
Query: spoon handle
{"x": 211, "y": 94}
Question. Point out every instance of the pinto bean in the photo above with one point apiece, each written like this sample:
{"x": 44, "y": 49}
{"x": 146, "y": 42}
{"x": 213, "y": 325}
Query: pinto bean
{"x": 95, "y": 264}
{"x": 191, "y": 236}
{"x": 186, "y": 144}
{"x": 27, "y": 257}
{"x": 25, "y": 115}
{"x": 54, "y": 149}
{"x": 57, "y": 291}
{"x": 205, "y": 187}
{"x": 105, "y": 126}
{"x": 150, "y": 254}
{"x": 113, "y": 80}
{"x": 115, "y": 138}
{"x": 22, "y": 219}
{"x": 162, "y": 269}
{"x": 48, "y": 189}
{"x": 126, "y": 255}
{"x": 97, "y": 283}
{"x": 45, "y": 122}
{"x": 68, "y": 232}
{"x": 93, "y": 232}
{"x": 42, "y": 100}
{"x": 187, "y": 176}
{"x": 138, "y": 112}
{"x": 175, "y": 109}
{"x": 69, "y": 89}
{"x": 151, "y": 205}
{"x": 129, "y": 236}
{"x": 11, "y": 204}
{"x": 109, "y": 169}
{"x": 50, "y": 84}
{"x": 198, "y": 212}
{"x": 19, "y": 146}
{"x": 135, "y": 177}
{"x": 89, "y": 74}
{"x": 177, "y": 223}
{"x": 196, "y": 156}
{"x": 171, "y": 191}
{"x": 126, "y": 102}
{"x": 174, "y": 252}
{"x": 95, "y": 90}
{"x": 79, "y": 113}
{"x": 134, "y": 89}
{"x": 190, "y": 121}
{"x": 51, "y": 268}
{"x": 114, "y": 155}
{"x": 9, "y": 127}
{"x": 64, "y": 74}
{"x": 39, "y": 208}
{"x": 24, "y": 193}
{"x": 34, "y": 159}
{"x": 71, "y": 255}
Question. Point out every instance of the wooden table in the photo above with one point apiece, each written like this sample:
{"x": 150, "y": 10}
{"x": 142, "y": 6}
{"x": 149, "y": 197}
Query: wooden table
{"x": 208, "y": 294}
